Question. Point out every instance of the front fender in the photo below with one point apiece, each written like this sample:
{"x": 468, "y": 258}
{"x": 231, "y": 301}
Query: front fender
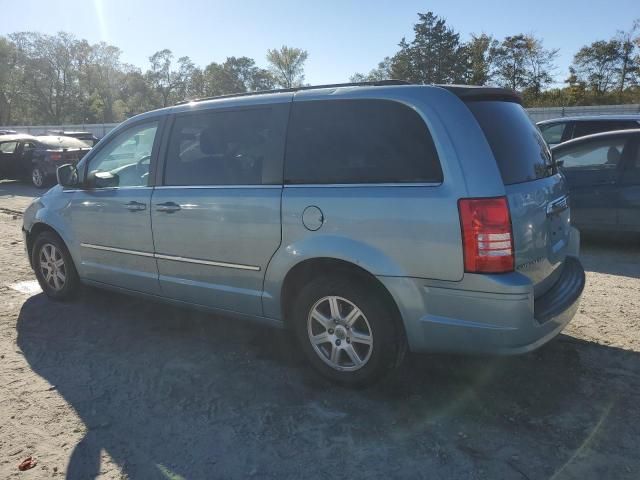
{"x": 334, "y": 247}
{"x": 52, "y": 210}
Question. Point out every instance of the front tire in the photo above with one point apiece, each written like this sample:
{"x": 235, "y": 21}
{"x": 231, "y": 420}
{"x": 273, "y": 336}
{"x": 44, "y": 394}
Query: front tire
{"x": 54, "y": 267}
{"x": 347, "y": 330}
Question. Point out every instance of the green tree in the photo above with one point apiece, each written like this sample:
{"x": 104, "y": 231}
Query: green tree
{"x": 479, "y": 59}
{"x": 382, "y": 72}
{"x": 169, "y": 82}
{"x": 520, "y": 62}
{"x": 235, "y": 75}
{"x": 9, "y": 87}
{"x": 435, "y": 55}
{"x": 597, "y": 65}
{"x": 101, "y": 82}
{"x": 287, "y": 66}
{"x": 629, "y": 60}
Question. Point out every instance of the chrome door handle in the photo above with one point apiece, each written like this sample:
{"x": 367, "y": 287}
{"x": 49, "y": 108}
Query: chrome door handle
{"x": 135, "y": 206}
{"x": 167, "y": 207}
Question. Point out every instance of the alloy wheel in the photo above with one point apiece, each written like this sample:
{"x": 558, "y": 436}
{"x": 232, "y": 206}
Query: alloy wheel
{"x": 52, "y": 266}
{"x": 37, "y": 177}
{"x": 340, "y": 333}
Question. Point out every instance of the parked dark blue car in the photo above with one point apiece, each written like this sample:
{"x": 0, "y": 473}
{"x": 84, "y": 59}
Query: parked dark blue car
{"x": 603, "y": 174}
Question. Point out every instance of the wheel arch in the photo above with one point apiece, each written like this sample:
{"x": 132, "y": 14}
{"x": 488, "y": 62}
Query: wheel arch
{"x": 36, "y": 229}
{"x": 304, "y": 271}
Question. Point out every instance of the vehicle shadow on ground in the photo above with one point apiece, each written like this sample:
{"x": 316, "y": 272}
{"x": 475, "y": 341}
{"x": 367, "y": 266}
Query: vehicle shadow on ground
{"x": 171, "y": 393}
{"x": 16, "y": 188}
{"x": 611, "y": 254}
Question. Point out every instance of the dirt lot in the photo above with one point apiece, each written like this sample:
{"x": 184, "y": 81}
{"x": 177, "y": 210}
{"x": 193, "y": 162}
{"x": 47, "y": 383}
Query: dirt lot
{"x": 115, "y": 387}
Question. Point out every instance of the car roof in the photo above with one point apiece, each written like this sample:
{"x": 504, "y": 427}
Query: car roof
{"x": 382, "y": 89}
{"x": 587, "y": 138}
{"x": 16, "y": 137}
{"x": 591, "y": 118}
{"x": 52, "y": 139}
{"x": 69, "y": 132}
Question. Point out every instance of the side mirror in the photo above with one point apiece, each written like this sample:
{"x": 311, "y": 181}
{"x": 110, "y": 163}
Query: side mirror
{"x": 102, "y": 180}
{"x": 67, "y": 175}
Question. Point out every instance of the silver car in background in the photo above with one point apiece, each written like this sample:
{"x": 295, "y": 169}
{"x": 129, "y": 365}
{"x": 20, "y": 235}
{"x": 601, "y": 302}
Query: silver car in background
{"x": 369, "y": 219}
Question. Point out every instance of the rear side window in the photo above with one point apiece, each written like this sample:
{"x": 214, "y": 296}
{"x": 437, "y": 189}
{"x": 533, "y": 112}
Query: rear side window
{"x": 589, "y": 128}
{"x": 8, "y": 147}
{"x": 520, "y": 151}
{"x": 239, "y": 147}
{"x": 359, "y": 141}
{"x": 552, "y": 133}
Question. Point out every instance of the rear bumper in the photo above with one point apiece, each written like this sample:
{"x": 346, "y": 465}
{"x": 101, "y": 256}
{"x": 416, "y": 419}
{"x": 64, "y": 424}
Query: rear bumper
{"x": 486, "y": 314}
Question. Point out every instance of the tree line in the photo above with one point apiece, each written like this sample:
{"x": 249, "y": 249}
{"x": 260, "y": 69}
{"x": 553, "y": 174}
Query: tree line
{"x": 56, "y": 79}
{"x": 603, "y": 72}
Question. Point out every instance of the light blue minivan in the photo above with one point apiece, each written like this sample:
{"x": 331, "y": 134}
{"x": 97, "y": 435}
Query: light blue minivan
{"x": 367, "y": 218}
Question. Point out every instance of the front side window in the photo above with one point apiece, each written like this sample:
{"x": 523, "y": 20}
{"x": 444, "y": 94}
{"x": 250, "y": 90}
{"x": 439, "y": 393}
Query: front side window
{"x": 127, "y": 156}
{"x": 359, "y": 141}
{"x": 602, "y": 154}
{"x": 8, "y": 147}
{"x": 234, "y": 147}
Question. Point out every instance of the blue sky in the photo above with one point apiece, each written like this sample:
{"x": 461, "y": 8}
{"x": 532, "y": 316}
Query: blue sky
{"x": 342, "y": 37}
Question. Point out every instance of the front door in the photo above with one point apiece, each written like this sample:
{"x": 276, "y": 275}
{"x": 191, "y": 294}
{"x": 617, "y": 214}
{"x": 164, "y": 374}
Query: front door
{"x": 216, "y": 219}
{"x": 592, "y": 170}
{"x": 8, "y": 159}
{"x": 112, "y": 222}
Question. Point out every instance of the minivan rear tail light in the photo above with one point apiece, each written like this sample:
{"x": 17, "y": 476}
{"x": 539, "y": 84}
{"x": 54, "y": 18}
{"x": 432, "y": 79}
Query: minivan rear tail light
{"x": 55, "y": 156}
{"x": 487, "y": 237}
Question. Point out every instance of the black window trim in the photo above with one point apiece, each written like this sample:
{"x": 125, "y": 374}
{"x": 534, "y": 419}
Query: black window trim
{"x": 170, "y": 124}
{"x": 369, "y": 184}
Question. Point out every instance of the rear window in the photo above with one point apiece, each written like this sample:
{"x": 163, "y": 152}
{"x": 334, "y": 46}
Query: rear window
{"x": 359, "y": 141}
{"x": 520, "y": 151}
{"x": 52, "y": 142}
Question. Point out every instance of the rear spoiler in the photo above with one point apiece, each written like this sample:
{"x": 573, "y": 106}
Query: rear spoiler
{"x": 469, "y": 93}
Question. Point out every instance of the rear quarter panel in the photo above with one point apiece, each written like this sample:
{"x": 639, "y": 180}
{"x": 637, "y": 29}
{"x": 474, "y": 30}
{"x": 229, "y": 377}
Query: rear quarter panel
{"x": 391, "y": 230}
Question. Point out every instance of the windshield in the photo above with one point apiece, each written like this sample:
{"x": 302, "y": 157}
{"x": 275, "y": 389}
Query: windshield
{"x": 520, "y": 151}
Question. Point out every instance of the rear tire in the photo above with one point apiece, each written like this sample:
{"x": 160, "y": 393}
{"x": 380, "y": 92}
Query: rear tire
{"x": 54, "y": 267}
{"x": 38, "y": 177}
{"x": 347, "y": 331}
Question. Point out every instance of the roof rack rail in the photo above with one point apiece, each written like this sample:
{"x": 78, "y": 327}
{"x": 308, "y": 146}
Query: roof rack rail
{"x": 376, "y": 83}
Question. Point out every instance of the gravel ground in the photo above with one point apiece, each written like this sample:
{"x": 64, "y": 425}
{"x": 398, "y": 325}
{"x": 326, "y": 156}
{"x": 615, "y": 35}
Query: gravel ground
{"x": 115, "y": 387}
